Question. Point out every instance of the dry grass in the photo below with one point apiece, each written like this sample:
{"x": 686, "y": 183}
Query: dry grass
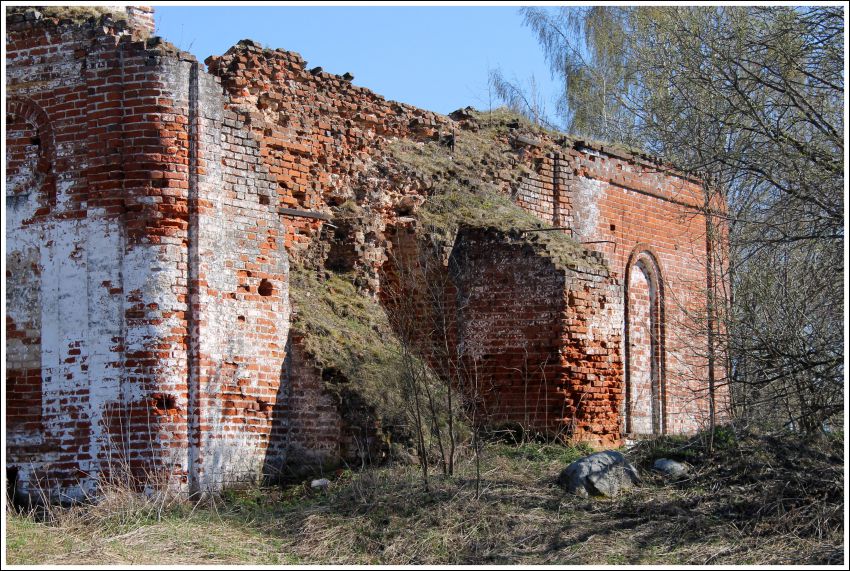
{"x": 470, "y": 186}
{"x": 347, "y": 333}
{"x": 384, "y": 516}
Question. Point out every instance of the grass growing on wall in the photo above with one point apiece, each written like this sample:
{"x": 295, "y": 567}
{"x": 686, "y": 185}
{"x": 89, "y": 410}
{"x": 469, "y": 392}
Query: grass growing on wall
{"x": 348, "y": 335}
{"x": 482, "y": 160}
{"x": 470, "y": 185}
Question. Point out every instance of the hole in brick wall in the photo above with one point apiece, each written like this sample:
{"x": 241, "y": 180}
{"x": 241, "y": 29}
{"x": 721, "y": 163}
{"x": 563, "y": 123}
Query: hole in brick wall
{"x": 240, "y": 318}
{"x": 164, "y": 403}
{"x": 12, "y": 485}
{"x": 35, "y": 141}
{"x": 264, "y": 199}
{"x": 333, "y": 375}
{"x": 265, "y": 288}
{"x": 613, "y": 227}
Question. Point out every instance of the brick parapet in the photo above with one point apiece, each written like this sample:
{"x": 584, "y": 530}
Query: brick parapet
{"x": 319, "y": 133}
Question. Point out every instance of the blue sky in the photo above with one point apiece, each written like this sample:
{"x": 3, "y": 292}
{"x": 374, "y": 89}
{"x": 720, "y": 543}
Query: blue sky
{"x": 434, "y": 57}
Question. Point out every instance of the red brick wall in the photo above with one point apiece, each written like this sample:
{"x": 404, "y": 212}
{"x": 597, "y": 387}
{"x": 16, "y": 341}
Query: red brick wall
{"x": 319, "y": 135}
{"x": 511, "y": 357}
{"x": 154, "y": 249}
{"x": 630, "y": 208}
{"x": 148, "y": 288}
{"x": 74, "y": 91}
{"x": 644, "y": 213}
{"x": 310, "y": 428}
{"x": 531, "y": 343}
{"x": 592, "y": 341}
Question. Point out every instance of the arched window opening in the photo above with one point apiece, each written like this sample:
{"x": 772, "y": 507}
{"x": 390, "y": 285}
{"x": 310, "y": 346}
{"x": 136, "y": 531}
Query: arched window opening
{"x": 644, "y": 403}
{"x": 29, "y": 153}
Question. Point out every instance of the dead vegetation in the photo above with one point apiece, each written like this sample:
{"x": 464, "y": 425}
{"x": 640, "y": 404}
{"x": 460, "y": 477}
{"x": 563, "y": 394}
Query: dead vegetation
{"x": 765, "y": 485}
{"x": 471, "y": 184}
{"x": 348, "y": 335}
{"x": 755, "y": 500}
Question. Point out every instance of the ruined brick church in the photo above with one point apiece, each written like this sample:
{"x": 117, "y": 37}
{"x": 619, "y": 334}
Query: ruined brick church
{"x": 157, "y": 208}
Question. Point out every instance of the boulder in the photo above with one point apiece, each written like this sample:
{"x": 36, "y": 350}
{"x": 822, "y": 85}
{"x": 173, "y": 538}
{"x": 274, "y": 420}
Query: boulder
{"x": 601, "y": 474}
{"x": 402, "y": 455}
{"x": 670, "y": 467}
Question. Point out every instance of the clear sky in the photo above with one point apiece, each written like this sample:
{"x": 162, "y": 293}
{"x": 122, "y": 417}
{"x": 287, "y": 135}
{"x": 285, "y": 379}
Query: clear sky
{"x": 434, "y": 57}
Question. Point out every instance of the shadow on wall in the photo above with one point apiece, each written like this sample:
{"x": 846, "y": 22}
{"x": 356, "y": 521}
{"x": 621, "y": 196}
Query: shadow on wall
{"x": 281, "y": 463}
{"x": 315, "y": 430}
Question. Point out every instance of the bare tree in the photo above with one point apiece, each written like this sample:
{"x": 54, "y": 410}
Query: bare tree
{"x": 443, "y": 385}
{"x": 750, "y": 100}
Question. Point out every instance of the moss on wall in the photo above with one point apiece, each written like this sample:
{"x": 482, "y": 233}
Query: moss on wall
{"x": 348, "y": 335}
{"x": 468, "y": 186}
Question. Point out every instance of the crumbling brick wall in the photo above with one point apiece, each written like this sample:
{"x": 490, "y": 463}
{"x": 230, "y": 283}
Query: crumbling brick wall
{"x": 154, "y": 207}
{"x": 319, "y": 136}
{"x": 648, "y": 222}
{"x": 153, "y": 249}
{"x": 73, "y": 92}
{"x": 552, "y": 363}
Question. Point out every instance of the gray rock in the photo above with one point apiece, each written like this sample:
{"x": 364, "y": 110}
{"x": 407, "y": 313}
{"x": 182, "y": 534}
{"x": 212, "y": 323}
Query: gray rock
{"x": 601, "y": 474}
{"x": 321, "y": 484}
{"x": 670, "y": 467}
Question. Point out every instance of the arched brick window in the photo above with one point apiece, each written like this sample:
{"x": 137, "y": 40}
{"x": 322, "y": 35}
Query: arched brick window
{"x": 30, "y": 153}
{"x": 644, "y": 403}
{"x": 30, "y": 193}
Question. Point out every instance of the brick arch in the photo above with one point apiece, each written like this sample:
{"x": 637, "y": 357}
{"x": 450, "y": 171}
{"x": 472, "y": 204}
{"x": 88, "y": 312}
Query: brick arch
{"x": 24, "y": 108}
{"x": 644, "y": 363}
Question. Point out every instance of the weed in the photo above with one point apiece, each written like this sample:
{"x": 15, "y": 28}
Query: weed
{"x": 766, "y": 500}
{"x": 462, "y": 191}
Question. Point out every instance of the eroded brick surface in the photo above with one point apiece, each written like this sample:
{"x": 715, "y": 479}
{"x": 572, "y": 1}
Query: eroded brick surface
{"x": 154, "y": 208}
{"x": 551, "y": 362}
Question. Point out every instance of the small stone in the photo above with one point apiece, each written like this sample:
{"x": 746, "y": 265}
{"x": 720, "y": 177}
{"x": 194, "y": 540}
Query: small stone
{"x": 409, "y": 204}
{"x": 670, "y": 467}
{"x": 320, "y": 484}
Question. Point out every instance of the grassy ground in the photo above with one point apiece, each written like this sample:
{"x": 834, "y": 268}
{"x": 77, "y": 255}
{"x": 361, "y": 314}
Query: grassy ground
{"x": 753, "y": 501}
